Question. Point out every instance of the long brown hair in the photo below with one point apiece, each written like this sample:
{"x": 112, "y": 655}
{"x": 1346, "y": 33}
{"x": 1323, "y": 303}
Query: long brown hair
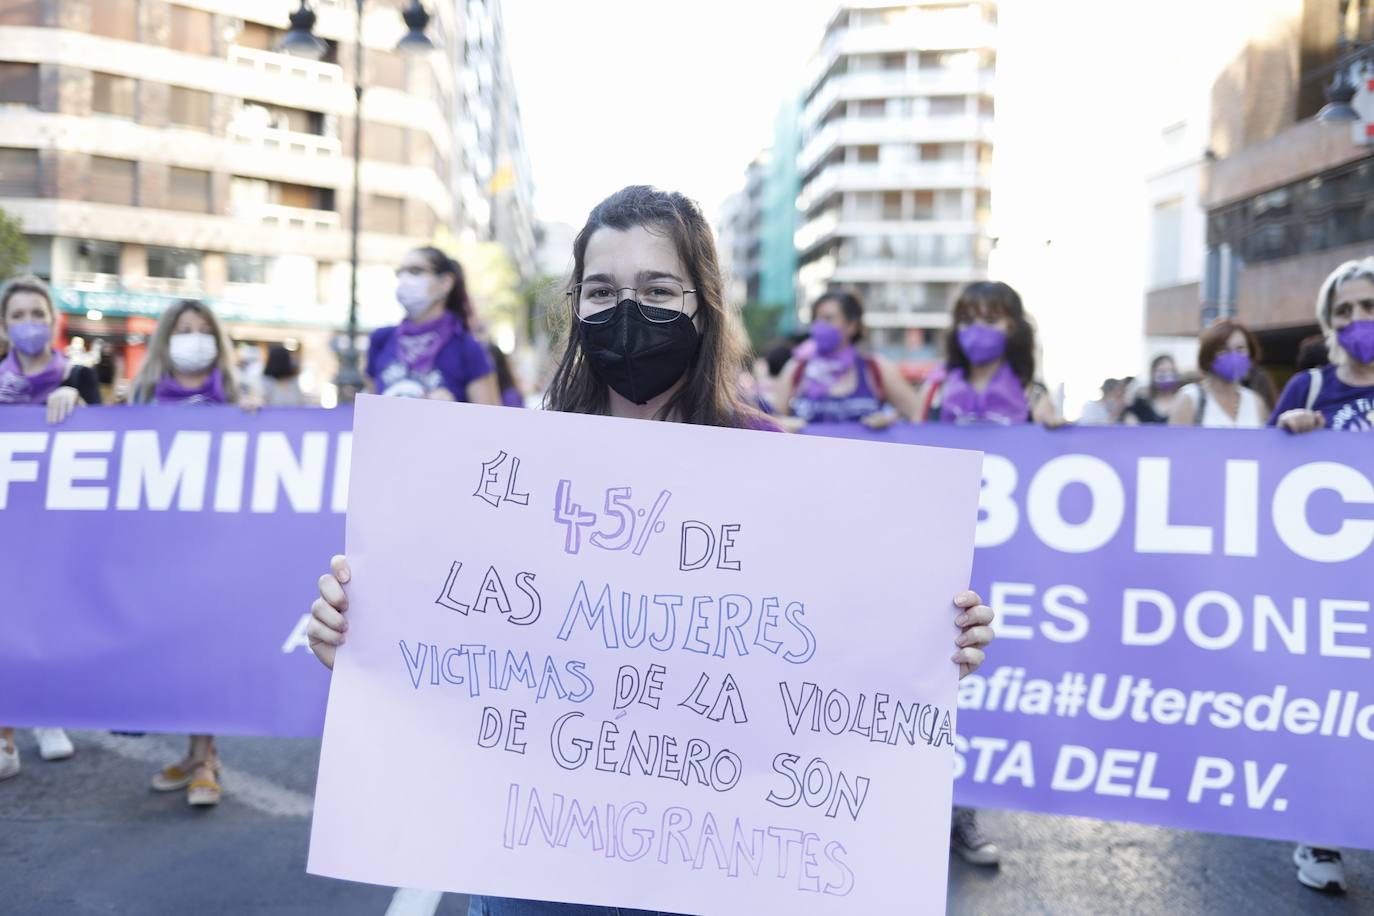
{"x": 993, "y": 296}
{"x": 158, "y": 362}
{"x": 710, "y": 396}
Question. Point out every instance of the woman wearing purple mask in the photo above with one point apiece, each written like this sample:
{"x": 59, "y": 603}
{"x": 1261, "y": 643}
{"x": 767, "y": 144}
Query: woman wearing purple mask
{"x": 32, "y": 372}
{"x": 432, "y": 353}
{"x": 1228, "y": 356}
{"x": 990, "y": 365}
{"x": 830, "y": 381}
{"x": 652, "y": 338}
{"x": 1152, "y": 406}
{"x": 1339, "y": 395}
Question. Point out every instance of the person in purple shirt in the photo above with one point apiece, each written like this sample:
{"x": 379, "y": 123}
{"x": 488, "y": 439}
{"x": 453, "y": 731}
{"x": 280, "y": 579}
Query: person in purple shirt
{"x": 432, "y": 353}
{"x": 1339, "y": 395}
{"x": 650, "y": 337}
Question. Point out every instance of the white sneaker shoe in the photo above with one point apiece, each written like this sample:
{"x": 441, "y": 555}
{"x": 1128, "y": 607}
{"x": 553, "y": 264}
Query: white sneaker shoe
{"x": 1320, "y": 869}
{"x": 9, "y": 763}
{"x": 53, "y": 744}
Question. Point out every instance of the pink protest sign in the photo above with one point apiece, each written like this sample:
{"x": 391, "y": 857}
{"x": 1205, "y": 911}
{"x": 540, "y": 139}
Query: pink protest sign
{"x": 645, "y": 665}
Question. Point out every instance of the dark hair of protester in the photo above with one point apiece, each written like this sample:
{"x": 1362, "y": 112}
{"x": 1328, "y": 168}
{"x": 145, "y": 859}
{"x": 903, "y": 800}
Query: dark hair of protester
{"x": 1312, "y": 353}
{"x": 992, "y": 299}
{"x": 457, "y": 301}
{"x": 1211, "y": 341}
{"x": 281, "y": 363}
{"x": 850, "y": 305}
{"x": 710, "y": 394}
{"x": 777, "y": 356}
{"x": 505, "y": 379}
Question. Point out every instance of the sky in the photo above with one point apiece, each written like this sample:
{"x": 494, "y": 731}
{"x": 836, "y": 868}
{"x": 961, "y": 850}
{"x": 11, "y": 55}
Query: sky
{"x": 681, "y": 95}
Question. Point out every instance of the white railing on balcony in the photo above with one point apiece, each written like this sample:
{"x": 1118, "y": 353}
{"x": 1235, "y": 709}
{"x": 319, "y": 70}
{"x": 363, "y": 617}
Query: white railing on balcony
{"x": 883, "y": 84}
{"x": 168, "y": 286}
{"x": 82, "y": 279}
{"x": 273, "y": 64}
{"x": 300, "y": 218}
{"x": 276, "y": 140}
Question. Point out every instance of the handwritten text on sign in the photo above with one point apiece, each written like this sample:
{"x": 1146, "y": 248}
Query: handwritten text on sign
{"x": 589, "y": 662}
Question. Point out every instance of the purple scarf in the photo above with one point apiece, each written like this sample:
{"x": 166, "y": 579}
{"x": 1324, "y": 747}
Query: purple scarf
{"x": 822, "y": 373}
{"x": 170, "y": 391}
{"x": 418, "y": 345}
{"x": 18, "y": 388}
{"x": 1003, "y": 401}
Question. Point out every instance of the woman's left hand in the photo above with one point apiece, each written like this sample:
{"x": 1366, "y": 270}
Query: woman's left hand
{"x": 61, "y": 403}
{"x": 975, "y": 631}
{"x": 881, "y": 419}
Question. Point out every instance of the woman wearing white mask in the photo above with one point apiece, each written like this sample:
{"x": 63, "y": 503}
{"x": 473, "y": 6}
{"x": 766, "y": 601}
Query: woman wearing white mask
{"x": 432, "y": 353}
{"x": 191, "y": 362}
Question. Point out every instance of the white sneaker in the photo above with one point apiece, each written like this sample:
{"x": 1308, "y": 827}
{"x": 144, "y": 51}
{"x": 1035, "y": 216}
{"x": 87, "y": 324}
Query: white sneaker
{"x": 53, "y": 744}
{"x": 968, "y": 842}
{"x": 9, "y": 763}
{"x": 1320, "y": 869}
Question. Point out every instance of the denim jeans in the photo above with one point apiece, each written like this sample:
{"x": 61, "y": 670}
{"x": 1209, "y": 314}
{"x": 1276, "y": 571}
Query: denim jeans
{"x": 503, "y": 906}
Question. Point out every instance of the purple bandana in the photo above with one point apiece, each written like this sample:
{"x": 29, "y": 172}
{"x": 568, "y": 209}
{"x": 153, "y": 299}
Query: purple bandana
{"x": 170, "y": 391}
{"x": 418, "y": 345}
{"x": 825, "y": 361}
{"x": 18, "y": 388}
{"x": 1003, "y": 401}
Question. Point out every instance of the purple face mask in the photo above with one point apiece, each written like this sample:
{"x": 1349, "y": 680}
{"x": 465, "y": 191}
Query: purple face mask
{"x": 826, "y": 336}
{"x": 30, "y": 337}
{"x": 1232, "y": 365}
{"x": 982, "y": 344}
{"x": 1357, "y": 339}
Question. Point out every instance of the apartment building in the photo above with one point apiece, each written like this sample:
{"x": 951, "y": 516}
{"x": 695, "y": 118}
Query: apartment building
{"x": 158, "y": 150}
{"x": 894, "y": 165}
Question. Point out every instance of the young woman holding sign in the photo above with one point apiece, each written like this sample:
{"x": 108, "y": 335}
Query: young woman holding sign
{"x": 1338, "y": 396}
{"x": 190, "y": 362}
{"x": 651, "y": 339}
{"x": 32, "y": 372}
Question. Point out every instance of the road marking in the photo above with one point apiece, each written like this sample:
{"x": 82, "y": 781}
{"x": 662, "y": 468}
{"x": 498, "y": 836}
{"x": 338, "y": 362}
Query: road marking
{"x": 411, "y": 901}
{"x": 260, "y": 794}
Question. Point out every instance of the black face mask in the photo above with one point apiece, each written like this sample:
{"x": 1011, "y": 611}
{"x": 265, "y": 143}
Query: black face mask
{"x": 640, "y": 359}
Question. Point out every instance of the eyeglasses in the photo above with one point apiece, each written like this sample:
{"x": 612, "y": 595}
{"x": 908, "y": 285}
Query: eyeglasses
{"x": 411, "y": 271}
{"x": 659, "y": 301}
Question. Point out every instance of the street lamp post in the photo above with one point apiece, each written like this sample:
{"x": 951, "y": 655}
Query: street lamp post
{"x": 301, "y": 41}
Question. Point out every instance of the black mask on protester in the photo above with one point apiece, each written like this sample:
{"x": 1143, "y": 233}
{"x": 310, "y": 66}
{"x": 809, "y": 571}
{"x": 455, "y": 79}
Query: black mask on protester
{"x": 640, "y": 359}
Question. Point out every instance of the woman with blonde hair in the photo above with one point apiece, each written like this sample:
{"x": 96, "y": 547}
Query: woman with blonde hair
{"x": 190, "y": 361}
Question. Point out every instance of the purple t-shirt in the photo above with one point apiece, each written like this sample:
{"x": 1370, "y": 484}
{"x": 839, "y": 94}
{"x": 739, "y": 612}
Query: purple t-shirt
{"x": 463, "y": 359}
{"x": 1343, "y": 406}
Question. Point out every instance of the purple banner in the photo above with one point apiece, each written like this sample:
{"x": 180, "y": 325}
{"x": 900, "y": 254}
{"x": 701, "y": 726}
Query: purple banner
{"x": 159, "y": 563}
{"x": 1184, "y": 628}
{"x": 1184, "y": 632}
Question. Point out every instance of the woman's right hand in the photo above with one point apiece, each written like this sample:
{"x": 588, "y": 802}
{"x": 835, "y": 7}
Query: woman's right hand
{"x": 327, "y": 623}
{"x": 1301, "y": 421}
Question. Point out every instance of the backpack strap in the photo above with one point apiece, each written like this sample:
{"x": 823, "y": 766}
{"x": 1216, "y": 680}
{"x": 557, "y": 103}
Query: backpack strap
{"x": 1201, "y": 404}
{"x": 871, "y": 367}
{"x": 1314, "y": 387}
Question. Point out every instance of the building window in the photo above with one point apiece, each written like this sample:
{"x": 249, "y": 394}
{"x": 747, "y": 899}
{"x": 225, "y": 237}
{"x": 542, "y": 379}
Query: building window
{"x": 1315, "y": 214}
{"x": 97, "y": 257}
{"x": 247, "y": 268}
{"x": 18, "y": 172}
{"x": 173, "y": 263}
{"x": 188, "y": 189}
{"x": 384, "y": 214}
{"x": 115, "y": 19}
{"x": 189, "y": 108}
{"x": 1166, "y": 227}
{"x": 21, "y": 12}
{"x": 865, "y": 154}
{"x": 18, "y": 83}
{"x": 941, "y": 105}
{"x": 872, "y": 108}
{"x": 112, "y": 181}
{"x": 384, "y": 142}
{"x": 260, "y": 36}
{"x": 193, "y": 31}
{"x": 113, "y": 95}
{"x": 385, "y": 68}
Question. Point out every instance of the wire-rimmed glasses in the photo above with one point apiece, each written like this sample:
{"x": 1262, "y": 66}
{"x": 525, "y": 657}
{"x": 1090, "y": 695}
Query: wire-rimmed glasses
{"x": 659, "y": 301}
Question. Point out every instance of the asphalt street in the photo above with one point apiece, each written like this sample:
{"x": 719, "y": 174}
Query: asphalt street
{"x": 86, "y": 836}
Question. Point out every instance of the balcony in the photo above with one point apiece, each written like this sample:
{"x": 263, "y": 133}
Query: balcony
{"x": 882, "y": 84}
{"x": 283, "y": 66}
{"x": 877, "y": 131}
{"x": 923, "y": 32}
{"x": 879, "y": 176}
{"x": 278, "y": 141}
{"x": 278, "y": 216}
